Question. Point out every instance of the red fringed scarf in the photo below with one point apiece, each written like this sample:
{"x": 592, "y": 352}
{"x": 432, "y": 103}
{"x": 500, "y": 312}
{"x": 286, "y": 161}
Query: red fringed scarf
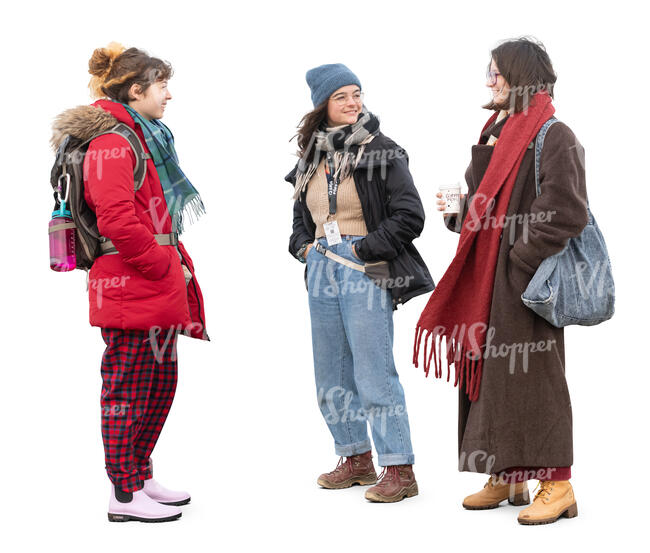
{"x": 459, "y": 308}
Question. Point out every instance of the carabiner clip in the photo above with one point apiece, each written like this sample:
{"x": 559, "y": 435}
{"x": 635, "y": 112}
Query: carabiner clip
{"x": 66, "y": 177}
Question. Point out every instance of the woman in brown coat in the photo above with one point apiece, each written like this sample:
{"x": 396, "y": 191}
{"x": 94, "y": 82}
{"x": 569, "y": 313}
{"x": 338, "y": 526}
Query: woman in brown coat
{"x": 514, "y": 410}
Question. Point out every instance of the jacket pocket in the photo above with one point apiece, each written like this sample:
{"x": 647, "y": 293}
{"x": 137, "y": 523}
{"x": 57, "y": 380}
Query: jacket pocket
{"x": 114, "y": 265}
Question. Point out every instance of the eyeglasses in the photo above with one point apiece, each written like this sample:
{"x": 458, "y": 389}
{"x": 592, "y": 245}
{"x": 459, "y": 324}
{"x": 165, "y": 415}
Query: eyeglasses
{"x": 342, "y": 99}
{"x": 491, "y": 77}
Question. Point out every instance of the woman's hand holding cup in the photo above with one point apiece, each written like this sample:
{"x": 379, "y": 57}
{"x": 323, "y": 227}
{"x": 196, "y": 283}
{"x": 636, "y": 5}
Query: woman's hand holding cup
{"x": 449, "y": 200}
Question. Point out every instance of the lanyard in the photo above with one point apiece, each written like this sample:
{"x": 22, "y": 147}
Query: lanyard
{"x": 332, "y": 183}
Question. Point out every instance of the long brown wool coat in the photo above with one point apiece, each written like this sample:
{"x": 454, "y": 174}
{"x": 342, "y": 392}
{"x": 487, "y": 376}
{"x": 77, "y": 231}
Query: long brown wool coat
{"x": 522, "y": 417}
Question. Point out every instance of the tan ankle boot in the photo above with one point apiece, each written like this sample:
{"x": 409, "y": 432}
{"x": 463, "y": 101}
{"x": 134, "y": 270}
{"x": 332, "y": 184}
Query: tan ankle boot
{"x": 357, "y": 469}
{"x": 493, "y": 494}
{"x": 553, "y": 500}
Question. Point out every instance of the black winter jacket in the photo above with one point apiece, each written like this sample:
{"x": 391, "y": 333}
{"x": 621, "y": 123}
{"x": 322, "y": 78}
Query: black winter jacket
{"x": 393, "y": 214}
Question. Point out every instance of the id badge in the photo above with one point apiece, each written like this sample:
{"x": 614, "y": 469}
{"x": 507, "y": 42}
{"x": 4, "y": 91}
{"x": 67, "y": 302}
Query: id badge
{"x": 332, "y": 233}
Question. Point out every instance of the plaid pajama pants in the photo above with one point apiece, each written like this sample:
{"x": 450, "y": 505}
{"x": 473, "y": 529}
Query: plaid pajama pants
{"x": 139, "y": 376}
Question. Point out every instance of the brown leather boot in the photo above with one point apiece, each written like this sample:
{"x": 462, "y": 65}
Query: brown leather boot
{"x": 553, "y": 500}
{"x": 357, "y": 469}
{"x": 493, "y": 494}
{"x": 397, "y": 482}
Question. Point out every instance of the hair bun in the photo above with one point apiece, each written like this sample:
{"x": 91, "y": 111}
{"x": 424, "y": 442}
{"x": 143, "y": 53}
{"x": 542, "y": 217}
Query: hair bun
{"x": 100, "y": 64}
{"x": 102, "y": 59}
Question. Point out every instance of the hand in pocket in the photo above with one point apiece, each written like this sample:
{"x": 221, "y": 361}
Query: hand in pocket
{"x": 354, "y": 252}
{"x": 187, "y": 274}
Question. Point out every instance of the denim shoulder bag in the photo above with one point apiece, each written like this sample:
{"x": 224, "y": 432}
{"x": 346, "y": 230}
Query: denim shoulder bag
{"x": 574, "y": 286}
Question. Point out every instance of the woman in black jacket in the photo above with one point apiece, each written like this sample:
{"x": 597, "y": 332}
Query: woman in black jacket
{"x": 356, "y": 213}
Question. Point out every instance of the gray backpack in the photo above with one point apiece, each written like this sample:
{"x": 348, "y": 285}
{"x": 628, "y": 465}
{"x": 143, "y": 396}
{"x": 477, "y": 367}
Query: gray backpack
{"x": 67, "y": 181}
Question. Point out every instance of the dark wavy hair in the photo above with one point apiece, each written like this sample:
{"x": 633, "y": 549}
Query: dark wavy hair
{"x": 526, "y": 67}
{"x": 311, "y": 122}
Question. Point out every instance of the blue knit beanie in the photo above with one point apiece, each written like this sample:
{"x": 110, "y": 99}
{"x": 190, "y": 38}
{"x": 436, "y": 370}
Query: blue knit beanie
{"x": 325, "y": 79}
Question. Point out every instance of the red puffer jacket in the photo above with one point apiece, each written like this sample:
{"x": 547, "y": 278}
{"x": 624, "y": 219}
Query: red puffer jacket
{"x": 142, "y": 286}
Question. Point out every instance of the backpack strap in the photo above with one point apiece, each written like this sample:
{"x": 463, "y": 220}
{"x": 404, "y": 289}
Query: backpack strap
{"x": 539, "y": 144}
{"x": 126, "y": 132}
{"x": 140, "y": 169}
{"x": 139, "y": 173}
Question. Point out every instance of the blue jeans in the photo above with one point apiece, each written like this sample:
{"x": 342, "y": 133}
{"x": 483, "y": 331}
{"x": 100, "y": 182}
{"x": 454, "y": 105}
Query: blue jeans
{"x": 356, "y": 380}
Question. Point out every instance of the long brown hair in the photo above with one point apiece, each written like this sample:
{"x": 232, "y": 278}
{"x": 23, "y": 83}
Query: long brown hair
{"x": 527, "y": 68}
{"x": 115, "y": 69}
{"x": 306, "y": 128}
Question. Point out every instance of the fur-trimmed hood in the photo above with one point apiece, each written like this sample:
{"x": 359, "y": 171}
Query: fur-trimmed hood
{"x": 84, "y": 122}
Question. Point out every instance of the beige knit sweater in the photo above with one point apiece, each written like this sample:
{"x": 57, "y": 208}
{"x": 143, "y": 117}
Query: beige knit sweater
{"x": 349, "y": 214}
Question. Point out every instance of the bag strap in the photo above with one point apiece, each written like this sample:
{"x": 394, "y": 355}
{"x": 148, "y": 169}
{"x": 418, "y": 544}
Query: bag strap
{"x": 539, "y": 144}
{"x": 335, "y": 257}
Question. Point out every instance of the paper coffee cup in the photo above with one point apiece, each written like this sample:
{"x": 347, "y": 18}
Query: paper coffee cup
{"x": 451, "y": 195}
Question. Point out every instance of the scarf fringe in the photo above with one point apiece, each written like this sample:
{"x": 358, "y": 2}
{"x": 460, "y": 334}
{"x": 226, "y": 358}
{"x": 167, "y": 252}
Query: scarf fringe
{"x": 191, "y": 211}
{"x": 344, "y": 163}
{"x": 468, "y": 367}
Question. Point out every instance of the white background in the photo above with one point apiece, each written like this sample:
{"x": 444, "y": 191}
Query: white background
{"x": 245, "y": 436}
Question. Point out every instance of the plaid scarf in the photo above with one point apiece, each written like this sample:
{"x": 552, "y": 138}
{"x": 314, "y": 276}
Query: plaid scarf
{"x": 181, "y": 197}
{"x": 347, "y": 144}
{"x": 459, "y": 308}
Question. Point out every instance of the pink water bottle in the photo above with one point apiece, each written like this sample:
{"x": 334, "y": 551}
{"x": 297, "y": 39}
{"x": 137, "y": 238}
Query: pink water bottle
{"x": 62, "y": 240}
{"x": 62, "y": 230}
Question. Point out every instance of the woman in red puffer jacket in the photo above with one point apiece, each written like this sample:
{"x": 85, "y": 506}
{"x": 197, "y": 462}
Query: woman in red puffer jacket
{"x": 154, "y": 292}
{"x": 143, "y": 291}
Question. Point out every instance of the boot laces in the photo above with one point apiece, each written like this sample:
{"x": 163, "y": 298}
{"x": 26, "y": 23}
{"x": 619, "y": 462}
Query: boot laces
{"x": 340, "y": 466}
{"x": 388, "y": 474}
{"x": 544, "y": 492}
